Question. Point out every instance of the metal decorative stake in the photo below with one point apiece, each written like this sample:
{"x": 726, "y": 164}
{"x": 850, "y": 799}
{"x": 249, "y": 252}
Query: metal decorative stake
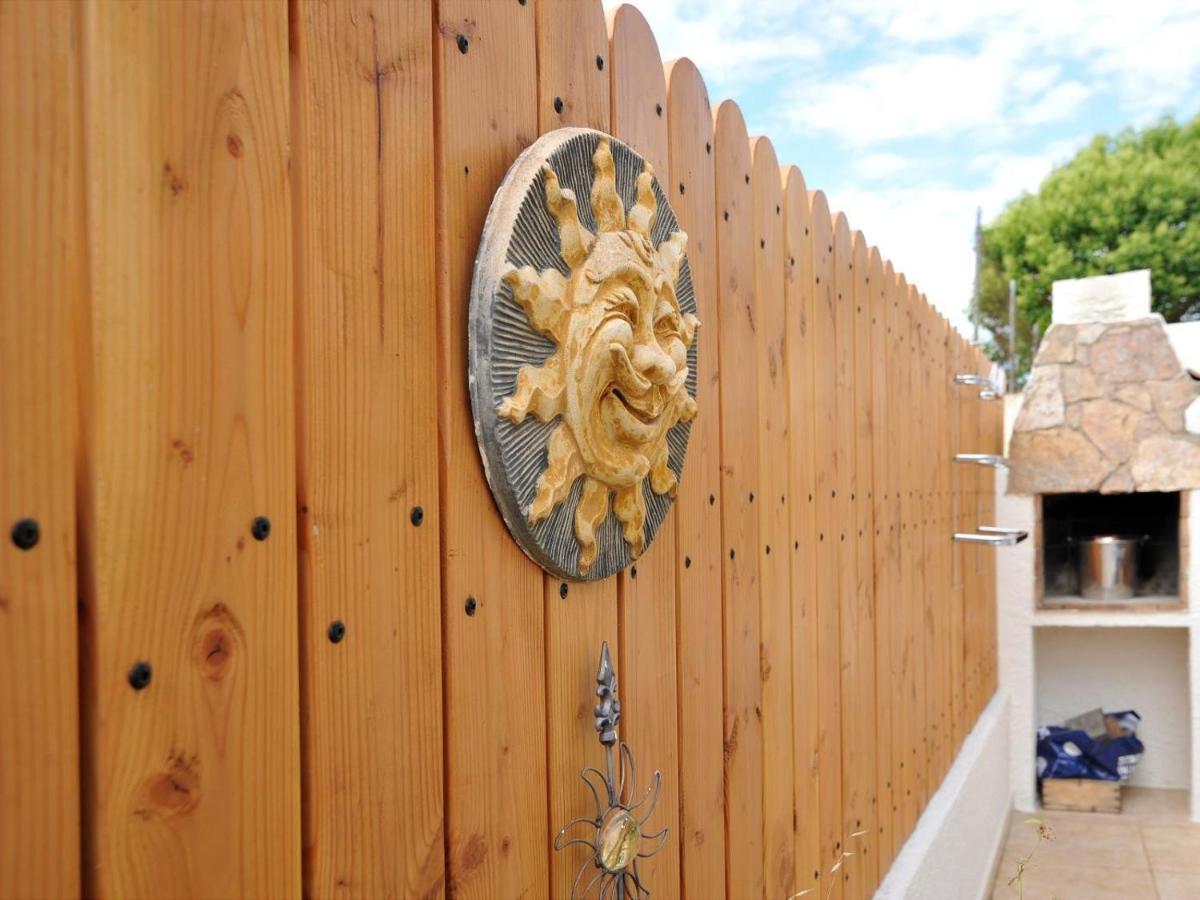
{"x": 616, "y": 830}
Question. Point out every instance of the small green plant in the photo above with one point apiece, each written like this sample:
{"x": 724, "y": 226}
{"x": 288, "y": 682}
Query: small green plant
{"x": 1044, "y": 833}
{"x": 833, "y": 870}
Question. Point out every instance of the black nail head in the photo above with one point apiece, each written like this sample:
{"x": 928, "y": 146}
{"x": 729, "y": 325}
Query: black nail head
{"x": 464, "y": 44}
{"x": 687, "y": 562}
{"x": 752, "y": 496}
{"x": 25, "y": 534}
{"x": 732, "y": 554}
{"x": 633, "y": 571}
{"x": 768, "y": 549}
{"x": 708, "y": 148}
{"x": 747, "y": 179}
{"x": 140, "y": 675}
{"x": 712, "y": 499}
{"x": 726, "y": 215}
{"x": 658, "y": 108}
{"x": 681, "y": 188}
{"x": 796, "y": 546}
{"x": 337, "y": 631}
{"x": 562, "y": 590}
{"x": 762, "y": 244}
{"x": 260, "y": 528}
{"x": 470, "y": 606}
{"x": 600, "y": 62}
{"x": 417, "y": 516}
{"x": 558, "y": 105}
{"x": 777, "y": 210}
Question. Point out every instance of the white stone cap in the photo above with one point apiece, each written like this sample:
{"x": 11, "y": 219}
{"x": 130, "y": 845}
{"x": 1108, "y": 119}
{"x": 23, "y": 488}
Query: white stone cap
{"x": 1185, "y": 340}
{"x": 1101, "y": 298}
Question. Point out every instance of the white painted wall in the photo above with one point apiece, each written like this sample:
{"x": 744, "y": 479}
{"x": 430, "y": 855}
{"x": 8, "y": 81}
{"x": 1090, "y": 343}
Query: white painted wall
{"x": 1015, "y": 574}
{"x": 1146, "y": 669}
{"x": 1019, "y": 621}
{"x": 953, "y": 851}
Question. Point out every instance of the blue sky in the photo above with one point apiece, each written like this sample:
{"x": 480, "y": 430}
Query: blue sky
{"x": 911, "y": 115}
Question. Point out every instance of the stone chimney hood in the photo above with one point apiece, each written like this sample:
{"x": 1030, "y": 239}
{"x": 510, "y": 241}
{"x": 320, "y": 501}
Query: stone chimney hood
{"x": 1106, "y": 405}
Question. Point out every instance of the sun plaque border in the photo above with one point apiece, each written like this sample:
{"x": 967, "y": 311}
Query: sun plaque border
{"x": 576, "y": 211}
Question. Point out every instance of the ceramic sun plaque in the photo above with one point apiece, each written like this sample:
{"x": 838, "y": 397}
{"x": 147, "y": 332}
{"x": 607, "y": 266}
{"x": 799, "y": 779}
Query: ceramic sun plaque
{"x": 582, "y": 353}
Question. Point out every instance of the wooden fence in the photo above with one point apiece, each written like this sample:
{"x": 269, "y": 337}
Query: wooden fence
{"x": 236, "y": 245}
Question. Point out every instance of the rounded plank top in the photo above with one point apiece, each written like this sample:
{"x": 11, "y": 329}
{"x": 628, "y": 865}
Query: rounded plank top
{"x": 702, "y": 817}
{"x": 639, "y": 88}
{"x": 572, "y": 65}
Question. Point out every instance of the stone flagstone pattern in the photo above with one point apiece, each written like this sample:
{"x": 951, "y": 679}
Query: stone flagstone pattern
{"x": 1104, "y": 411}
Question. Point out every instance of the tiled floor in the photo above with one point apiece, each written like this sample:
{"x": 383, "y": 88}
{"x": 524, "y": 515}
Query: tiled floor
{"x": 1150, "y": 851}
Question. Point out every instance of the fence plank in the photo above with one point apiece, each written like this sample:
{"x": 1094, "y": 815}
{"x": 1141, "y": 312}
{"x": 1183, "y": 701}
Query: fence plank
{"x": 955, "y": 401}
{"x": 697, "y": 520}
{"x": 42, "y": 284}
{"x": 800, "y": 353}
{"x": 194, "y": 783}
{"x": 911, "y": 696}
{"x": 779, "y": 866}
{"x": 372, "y": 722}
{"x": 858, "y": 633}
{"x": 739, "y": 516}
{"x": 570, "y": 37}
{"x": 646, "y": 607}
{"x": 846, "y": 545}
{"x": 897, "y": 430}
{"x": 881, "y": 279}
{"x": 829, "y": 674}
{"x": 494, "y": 661}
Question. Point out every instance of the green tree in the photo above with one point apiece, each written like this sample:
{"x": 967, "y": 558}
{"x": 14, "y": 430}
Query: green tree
{"x": 1125, "y": 202}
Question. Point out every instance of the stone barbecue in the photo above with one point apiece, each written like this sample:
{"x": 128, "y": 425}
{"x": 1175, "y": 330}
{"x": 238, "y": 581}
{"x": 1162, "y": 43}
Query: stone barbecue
{"x": 1106, "y": 406}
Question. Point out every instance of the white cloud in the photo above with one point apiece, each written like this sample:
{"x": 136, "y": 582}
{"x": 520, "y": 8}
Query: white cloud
{"x": 877, "y": 166}
{"x": 923, "y": 110}
{"x": 918, "y": 95}
{"x": 927, "y": 229}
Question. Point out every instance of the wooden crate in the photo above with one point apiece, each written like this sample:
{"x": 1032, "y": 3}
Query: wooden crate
{"x": 1081, "y": 795}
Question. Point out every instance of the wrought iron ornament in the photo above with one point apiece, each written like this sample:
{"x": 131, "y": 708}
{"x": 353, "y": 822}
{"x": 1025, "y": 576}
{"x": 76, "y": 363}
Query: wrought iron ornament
{"x": 582, "y": 353}
{"x": 616, "y": 835}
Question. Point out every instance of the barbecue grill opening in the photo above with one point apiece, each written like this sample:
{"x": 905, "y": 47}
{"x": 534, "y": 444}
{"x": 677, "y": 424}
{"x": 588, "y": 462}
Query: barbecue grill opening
{"x": 1110, "y": 549}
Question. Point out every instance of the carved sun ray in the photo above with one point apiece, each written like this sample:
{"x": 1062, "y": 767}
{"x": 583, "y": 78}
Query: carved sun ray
{"x": 617, "y": 378}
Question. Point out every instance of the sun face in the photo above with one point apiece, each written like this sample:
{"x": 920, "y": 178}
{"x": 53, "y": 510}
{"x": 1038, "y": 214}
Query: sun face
{"x": 617, "y": 378}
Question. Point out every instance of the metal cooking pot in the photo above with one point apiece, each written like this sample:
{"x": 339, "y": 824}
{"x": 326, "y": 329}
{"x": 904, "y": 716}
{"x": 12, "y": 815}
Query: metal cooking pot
{"x": 1108, "y": 566}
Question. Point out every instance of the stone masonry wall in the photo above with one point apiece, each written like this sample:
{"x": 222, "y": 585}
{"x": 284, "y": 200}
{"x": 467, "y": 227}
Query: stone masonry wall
{"x": 1104, "y": 411}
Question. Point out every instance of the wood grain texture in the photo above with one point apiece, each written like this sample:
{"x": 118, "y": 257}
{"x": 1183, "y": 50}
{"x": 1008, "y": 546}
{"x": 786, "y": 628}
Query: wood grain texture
{"x": 497, "y": 828}
{"x": 572, "y": 65}
{"x": 845, "y": 531}
{"x": 775, "y": 602}
{"x": 569, "y": 38}
{"x": 897, "y": 400}
{"x": 42, "y": 289}
{"x": 881, "y": 280}
{"x": 858, "y": 640}
{"x": 362, "y": 76}
{"x": 825, "y": 432}
{"x": 646, "y": 607}
{"x": 910, "y": 436}
{"x": 801, "y": 352}
{"x": 697, "y": 516}
{"x": 194, "y": 781}
{"x": 739, "y": 516}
